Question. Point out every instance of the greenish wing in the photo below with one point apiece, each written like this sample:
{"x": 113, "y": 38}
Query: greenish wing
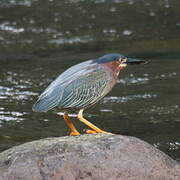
{"x": 85, "y": 90}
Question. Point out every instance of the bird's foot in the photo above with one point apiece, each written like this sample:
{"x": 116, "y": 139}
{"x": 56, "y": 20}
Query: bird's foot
{"x": 89, "y": 131}
{"x": 74, "y": 133}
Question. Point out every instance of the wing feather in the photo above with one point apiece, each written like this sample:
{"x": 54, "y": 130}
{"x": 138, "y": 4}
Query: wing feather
{"x": 84, "y": 91}
{"x": 57, "y": 92}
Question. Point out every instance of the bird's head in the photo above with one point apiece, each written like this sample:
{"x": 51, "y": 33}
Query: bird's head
{"x": 119, "y": 60}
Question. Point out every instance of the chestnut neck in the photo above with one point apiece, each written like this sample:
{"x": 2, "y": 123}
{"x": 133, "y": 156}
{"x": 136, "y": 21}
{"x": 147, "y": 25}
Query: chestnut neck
{"x": 114, "y": 66}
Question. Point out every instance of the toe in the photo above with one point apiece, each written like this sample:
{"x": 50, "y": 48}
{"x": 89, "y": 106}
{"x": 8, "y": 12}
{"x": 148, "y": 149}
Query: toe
{"x": 89, "y": 131}
{"x": 74, "y": 133}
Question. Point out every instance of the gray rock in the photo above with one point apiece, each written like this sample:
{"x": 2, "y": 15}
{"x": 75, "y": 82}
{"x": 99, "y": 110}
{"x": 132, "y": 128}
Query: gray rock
{"x": 89, "y": 157}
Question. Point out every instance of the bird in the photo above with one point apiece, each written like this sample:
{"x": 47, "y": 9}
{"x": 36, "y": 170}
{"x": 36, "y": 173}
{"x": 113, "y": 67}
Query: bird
{"x": 81, "y": 86}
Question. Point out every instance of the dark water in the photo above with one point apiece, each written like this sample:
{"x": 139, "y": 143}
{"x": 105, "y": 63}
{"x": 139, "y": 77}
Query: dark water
{"x": 40, "y": 39}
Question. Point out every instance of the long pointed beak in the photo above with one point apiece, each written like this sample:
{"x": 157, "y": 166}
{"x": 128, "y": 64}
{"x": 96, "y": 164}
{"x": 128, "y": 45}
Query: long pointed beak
{"x": 135, "y": 61}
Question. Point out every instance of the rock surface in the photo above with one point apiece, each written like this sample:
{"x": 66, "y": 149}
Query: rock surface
{"x": 89, "y": 157}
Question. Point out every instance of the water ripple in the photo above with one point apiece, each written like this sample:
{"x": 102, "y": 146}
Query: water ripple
{"x": 73, "y": 40}
{"x": 6, "y": 92}
{"x": 133, "y": 80}
{"x": 6, "y": 27}
{"x": 11, "y": 116}
{"x": 115, "y": 99}
{"x": 160, "y": 110}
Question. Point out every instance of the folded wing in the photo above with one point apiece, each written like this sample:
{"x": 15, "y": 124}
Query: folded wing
{"x": 78, "y": 86}
{"x": 85, "y": 90}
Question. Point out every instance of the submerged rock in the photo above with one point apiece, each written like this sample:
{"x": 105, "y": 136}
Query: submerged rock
{"x": 87, "y": 157}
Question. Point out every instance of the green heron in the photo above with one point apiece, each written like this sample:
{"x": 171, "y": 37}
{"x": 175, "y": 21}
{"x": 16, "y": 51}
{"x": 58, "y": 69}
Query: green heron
{"x": 83, "y": 85}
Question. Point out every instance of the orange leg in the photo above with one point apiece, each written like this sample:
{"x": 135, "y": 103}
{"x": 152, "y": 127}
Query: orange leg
{"x": 94, "y": 128}
{"x": 74, "y": 132}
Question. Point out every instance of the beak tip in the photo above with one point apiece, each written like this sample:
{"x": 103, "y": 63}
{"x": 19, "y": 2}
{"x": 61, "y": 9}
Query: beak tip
{"x": 146, "y": 61}
{"x": 137, "y": 61}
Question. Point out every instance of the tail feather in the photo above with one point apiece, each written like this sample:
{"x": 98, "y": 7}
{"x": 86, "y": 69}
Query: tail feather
{"x": 44, "y": 104}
